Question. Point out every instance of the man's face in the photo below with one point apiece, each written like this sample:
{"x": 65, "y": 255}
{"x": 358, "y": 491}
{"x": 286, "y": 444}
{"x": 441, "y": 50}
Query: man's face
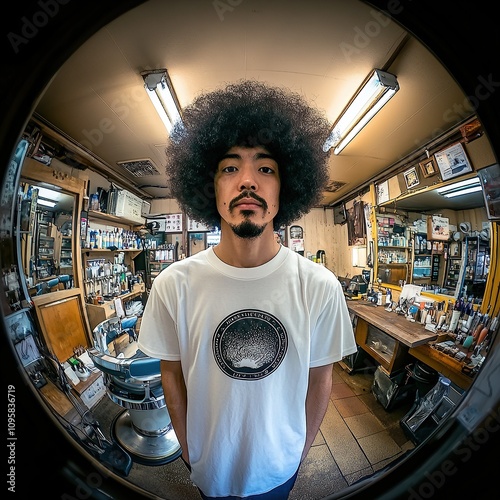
{"x": 247, "y": 187}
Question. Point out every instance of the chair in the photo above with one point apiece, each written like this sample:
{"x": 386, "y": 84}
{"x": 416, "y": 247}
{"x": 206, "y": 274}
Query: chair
{"x": 143, "y": 428}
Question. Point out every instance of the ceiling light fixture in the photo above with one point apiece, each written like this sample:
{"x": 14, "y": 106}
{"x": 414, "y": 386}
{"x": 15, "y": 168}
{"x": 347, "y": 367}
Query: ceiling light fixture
{"x": 161, "y": 92}
{"x": 369, "y": 99}
{"x": 459, "y": 188}
{"x": 461, "y": 192}
{"x": 48, "y": 194}
{"x": 46, "y": 203}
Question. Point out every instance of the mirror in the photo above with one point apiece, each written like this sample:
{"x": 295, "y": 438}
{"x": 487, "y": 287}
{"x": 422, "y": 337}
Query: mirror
{"x": 46, "y": 237}
{"x": 450, "y": 266}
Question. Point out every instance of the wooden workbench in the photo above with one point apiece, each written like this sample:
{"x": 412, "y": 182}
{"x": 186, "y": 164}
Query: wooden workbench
{"x": 410, "y": 340}
{"x": 397, "y": 326}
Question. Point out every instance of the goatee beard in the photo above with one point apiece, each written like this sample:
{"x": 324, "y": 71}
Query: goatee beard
{"x": 248, "y": 229}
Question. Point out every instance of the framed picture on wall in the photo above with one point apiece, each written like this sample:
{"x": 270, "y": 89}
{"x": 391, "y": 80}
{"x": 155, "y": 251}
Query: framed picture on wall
{"x": 411, "y": 178}
{"x": 428, "y": 167}
{"x": 453, "y": 161}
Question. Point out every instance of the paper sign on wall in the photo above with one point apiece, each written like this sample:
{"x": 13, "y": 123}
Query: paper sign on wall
{"x": 173, "y": 223}
{"x": 438, "y": 228}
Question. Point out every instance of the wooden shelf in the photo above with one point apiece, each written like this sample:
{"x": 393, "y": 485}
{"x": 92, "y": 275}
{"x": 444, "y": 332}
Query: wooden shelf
{"x": 112, "y": 218}
{"x": 108, "y": 250}
{"x": 100, "y": 312}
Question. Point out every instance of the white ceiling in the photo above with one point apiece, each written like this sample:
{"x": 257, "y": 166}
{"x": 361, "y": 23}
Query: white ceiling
{"x": 322, "y": 49}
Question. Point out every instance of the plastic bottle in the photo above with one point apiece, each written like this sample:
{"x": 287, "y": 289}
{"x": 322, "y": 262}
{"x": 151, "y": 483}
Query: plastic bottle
{"x": 429, "y": 403}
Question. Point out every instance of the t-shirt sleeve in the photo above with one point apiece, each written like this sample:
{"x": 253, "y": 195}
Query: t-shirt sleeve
{"x": 333, "y": 336}
{"x": 158, "y": 332}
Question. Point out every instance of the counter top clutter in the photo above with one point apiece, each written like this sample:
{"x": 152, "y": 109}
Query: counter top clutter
{"x": 397, "y": 326}
{"x": 453, "y": 342}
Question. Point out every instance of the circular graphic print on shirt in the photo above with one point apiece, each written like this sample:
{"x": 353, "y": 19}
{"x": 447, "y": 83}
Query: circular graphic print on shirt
{"x": 249, "y": 344}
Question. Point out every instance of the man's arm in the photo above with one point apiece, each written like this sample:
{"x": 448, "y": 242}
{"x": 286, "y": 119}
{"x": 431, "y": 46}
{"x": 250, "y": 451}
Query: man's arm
{"x": 318, "y": 395}
{"x": 174, "y": 390}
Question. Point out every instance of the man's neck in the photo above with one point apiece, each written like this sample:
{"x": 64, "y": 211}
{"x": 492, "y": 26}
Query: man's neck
{"x": 246, "y": 252}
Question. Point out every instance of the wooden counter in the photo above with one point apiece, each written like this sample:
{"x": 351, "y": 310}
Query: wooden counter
{"x": 397, "y": 326}
{"x": 410, "y": 340}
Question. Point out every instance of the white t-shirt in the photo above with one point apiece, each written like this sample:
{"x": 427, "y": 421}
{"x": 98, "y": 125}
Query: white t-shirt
{"x": 246, "y": 338}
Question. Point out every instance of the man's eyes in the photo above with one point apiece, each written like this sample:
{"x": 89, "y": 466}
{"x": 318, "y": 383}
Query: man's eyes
{"x": 232, "y": 168}
{"x": 267, "y": 170}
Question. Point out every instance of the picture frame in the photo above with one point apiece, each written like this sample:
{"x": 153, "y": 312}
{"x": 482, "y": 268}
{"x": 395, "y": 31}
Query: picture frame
{"x": 411, "y": 178}
{"x": 428, "y": 167}
{"x": 453, "y": 161}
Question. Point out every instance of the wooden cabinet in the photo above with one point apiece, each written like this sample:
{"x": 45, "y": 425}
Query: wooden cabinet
{"x": 453, "y": 277}
{"x": 66, "y": 256}
{"x": 393, "y": 252}
{"x": 161, "y": 258}
{"x": 386, "y": 336}
{"x": 45, "y": 256}
{"x": 384, "y": 349}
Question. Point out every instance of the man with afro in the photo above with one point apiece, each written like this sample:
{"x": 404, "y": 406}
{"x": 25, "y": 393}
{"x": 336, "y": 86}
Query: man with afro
{"x": 247, "y": 331}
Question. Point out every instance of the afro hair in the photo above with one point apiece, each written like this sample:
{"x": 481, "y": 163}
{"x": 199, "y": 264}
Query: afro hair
{"x": 248, "y": 114}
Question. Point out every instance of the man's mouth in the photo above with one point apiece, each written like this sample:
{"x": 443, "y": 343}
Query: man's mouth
{"x": 247, "y": 204}
{"x": 248, "y": 201}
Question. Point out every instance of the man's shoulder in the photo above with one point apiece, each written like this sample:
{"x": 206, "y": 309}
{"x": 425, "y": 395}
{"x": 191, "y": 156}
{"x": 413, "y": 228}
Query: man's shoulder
{"x": 309, "y": 269}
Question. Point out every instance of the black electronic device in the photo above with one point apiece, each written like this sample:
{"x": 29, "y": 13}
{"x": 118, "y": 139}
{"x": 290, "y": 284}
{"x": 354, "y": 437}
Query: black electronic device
{"x": 358, "y": 284}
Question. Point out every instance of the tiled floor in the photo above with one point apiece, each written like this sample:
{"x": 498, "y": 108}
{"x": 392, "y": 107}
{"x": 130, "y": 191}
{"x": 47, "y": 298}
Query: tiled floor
{"x": 357, "y": 438}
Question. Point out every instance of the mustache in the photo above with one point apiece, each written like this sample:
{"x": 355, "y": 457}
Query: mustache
{"x": 248, "y": 194}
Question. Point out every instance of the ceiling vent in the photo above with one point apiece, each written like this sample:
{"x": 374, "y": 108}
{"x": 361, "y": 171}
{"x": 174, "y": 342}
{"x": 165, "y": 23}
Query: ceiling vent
{"x": 140, "y": 168}
{"x": 334, "y": 186}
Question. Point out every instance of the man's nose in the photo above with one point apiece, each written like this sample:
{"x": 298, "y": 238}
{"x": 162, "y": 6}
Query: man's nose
{"x": 248, "y": 180}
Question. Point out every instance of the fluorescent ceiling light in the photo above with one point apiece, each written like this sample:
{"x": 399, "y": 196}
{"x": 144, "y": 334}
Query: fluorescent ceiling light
{"x": 161, "y": 92}
{"x": 48, "y": 194}
{"x": 457, "y": 186}
{"x": 375, "y": 92}
{"x": 460, "y": 192}
{"x": 46, "y": 203}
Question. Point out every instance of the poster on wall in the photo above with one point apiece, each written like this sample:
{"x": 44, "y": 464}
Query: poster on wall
{"x": 356, "y": 225}
{"x": 438, "y": 228}
{"x": 452, "y": 161}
